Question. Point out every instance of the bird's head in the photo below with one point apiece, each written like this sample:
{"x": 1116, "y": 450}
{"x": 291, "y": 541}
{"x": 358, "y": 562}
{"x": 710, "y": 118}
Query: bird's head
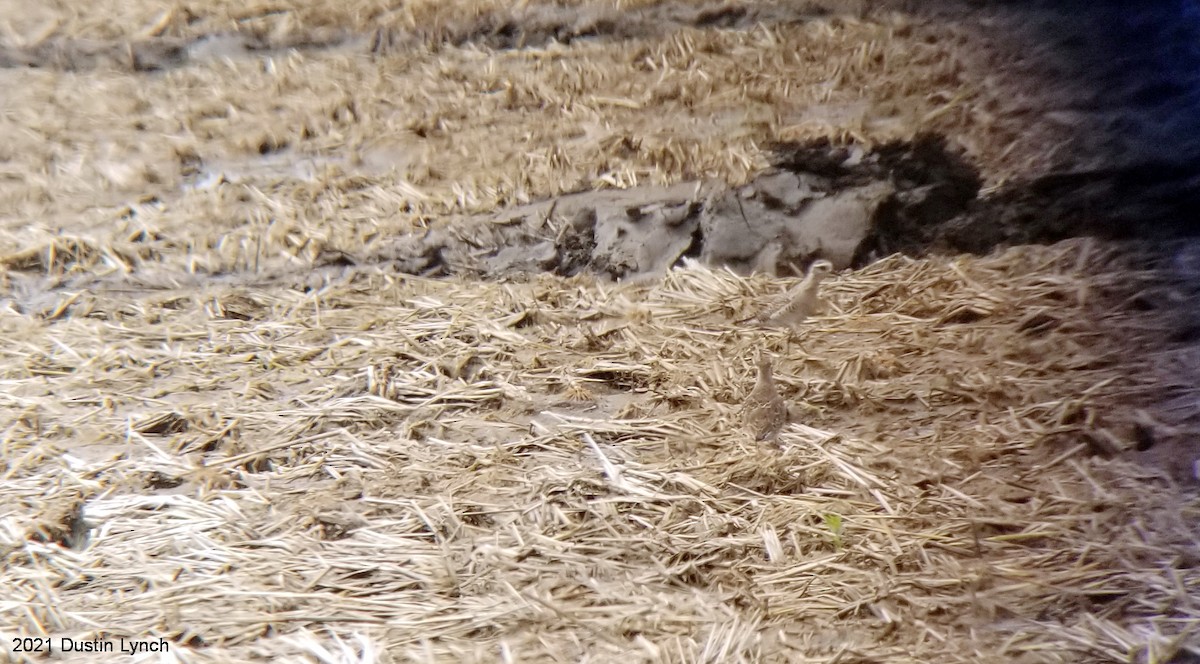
{"x": 820, "y": 268}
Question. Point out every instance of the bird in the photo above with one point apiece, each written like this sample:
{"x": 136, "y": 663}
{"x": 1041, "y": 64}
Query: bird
{"x": 764, "y": 411}
{"x": 801, "y": 302}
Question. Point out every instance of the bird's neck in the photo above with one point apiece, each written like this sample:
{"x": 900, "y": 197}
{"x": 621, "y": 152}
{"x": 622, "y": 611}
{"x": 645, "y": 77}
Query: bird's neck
{"x": 764, "y": 377}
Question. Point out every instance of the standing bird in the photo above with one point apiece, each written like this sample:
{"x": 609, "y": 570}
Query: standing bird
{"x": 764, "y": 411}
{"x": 802, "y": 301}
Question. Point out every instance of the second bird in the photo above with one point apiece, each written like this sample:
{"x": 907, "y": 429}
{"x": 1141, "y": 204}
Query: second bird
{"x": 802, "y": 301}
{"x": 765, "y": 412}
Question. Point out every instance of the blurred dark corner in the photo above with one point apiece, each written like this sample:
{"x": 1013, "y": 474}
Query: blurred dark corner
{"x": 1128, "y": 75}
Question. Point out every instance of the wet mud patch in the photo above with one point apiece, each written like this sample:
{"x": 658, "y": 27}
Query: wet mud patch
{"x": 842, "y": 203}
{"x": 76, "y": 55}
{"x": 157, "y": 54}
{"x": 939, "y": 207}
{"x": 820, "y": 201}
{"x": 539, "y": 26}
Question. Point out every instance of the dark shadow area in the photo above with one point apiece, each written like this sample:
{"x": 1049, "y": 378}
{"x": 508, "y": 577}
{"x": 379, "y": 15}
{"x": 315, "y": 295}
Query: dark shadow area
{"x": 1125, "y": 77}
{"x": 937, "y": 206}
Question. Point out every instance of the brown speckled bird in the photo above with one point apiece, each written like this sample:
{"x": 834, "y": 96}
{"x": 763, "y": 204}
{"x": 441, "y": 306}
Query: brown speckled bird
{"x": 764, "y": 411}
{"x": 802, "y": 301}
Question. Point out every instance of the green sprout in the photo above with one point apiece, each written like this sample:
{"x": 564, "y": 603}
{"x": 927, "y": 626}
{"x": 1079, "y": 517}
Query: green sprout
{"x": 834, "y": 523}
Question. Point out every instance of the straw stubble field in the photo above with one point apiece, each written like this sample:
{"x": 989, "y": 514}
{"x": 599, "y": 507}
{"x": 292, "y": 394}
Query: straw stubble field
{"x": 209, "y": 440}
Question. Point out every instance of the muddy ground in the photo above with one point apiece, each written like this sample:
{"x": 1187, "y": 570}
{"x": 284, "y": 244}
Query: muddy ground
{"x": 187, "y": 184}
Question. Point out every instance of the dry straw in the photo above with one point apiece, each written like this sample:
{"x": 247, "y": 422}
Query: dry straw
{"x": 395, "y": 468}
